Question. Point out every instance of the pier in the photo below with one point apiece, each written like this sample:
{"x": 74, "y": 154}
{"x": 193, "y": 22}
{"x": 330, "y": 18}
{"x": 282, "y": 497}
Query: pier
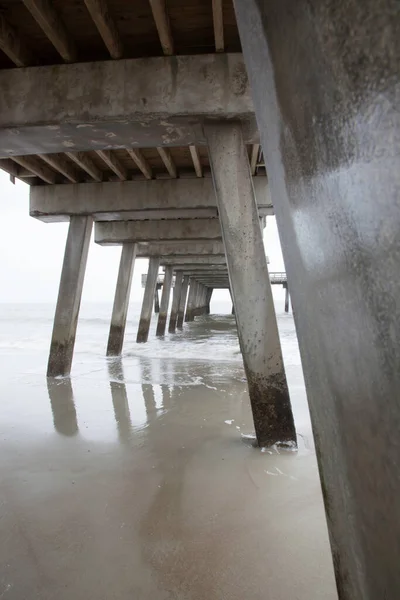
{"x": 173, "y": 130}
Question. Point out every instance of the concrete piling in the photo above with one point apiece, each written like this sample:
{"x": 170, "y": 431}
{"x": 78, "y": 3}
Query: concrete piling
{"x": 175, "y": 301}
{"x": 286, "y": 298}
{"x": 208, "y": 300}
{"x": 147, "y": 306}
{"x": 156, "y": 302}
{"x": 250, "y": 285}
{"x": 69, "y": 296}
{"x": 335, "y": 170}
{"x": 165, "y": 296}
{"x": 191, "y": 301}
{"x": 182, "y": 301}
{"x": 121, "y": 300}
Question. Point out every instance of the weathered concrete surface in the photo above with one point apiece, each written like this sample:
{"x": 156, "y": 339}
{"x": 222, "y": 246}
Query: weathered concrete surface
{"x": 286, "y": 298}
{"x": 208, "y": 299}
{"x": 125, "y": 200}
{"x": 156, "y": 301}
{"x": 325, "y": 79}
{"x": 141, "y": 102}
{"x": 121, "y": 300}
{"x": 148, "y": 296}
{"x": 69, "y": 296}
{"x": 182, "y": 302}
{"x": 175, "y": 301}
{"x": 191, "y": 300}
{"x": 181, "y": 248}
{"x": 165, "y": 296}
{"x": 250, "y": 285}
{"x": 208, "y": 261}
{"x": 119, "y": 232}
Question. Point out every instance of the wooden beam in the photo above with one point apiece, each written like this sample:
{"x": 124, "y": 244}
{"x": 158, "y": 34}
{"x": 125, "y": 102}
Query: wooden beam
{"x": 86, "y": 164}
{"x": 115, "y": 165}
{"x": 10, "y": 167}
{"x": 106, "y": 26}
{"x": 13, "y": 46}
{"x": 196, "y": 161}
{"x": 253, "y": 160}
{"x": 49, "y": 20}
{"x": 168, "y": 161}
{"x": 218, "y": 25}
{"x": 160, "y": 16}
{"x": 60, "y": 164}
{"x": 141, "y": 162}
{"x": 34, "y": 165}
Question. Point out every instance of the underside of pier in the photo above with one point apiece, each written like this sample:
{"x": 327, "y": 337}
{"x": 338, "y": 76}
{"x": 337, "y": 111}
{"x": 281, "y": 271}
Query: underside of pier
{"x": 144, "y": 122}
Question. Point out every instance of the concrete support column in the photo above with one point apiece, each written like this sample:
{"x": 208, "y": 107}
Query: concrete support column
{"x": 175, "y": 301}
{"x": 156, "y": 301}
{"x": 147, "y": 306}
{"x": 69, "y": 296}
{"x": 121, "y": 300}
{"x": 199, "y": 295}
{"x": 335, "y": 169}
{"x": 165, "y": 296}
{"x": 182, "y": 301}
{"x": 250, "y": 285}
{"x": 208, "y": 299}
{"x": 286, "y": 298}
{"x": 191, "y": 301}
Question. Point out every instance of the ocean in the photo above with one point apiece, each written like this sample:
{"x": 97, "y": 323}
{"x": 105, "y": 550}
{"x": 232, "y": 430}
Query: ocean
{"x": 137, "y": 477}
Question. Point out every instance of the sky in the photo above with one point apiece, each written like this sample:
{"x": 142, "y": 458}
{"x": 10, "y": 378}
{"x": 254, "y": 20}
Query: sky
{"x": 31, "y": 255}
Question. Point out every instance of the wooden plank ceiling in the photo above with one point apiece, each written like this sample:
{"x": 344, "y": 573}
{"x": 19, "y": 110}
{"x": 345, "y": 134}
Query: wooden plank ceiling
{"x": 46, "y": 32}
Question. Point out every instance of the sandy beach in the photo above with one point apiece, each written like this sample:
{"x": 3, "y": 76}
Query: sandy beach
{"x": 136, "y": 479}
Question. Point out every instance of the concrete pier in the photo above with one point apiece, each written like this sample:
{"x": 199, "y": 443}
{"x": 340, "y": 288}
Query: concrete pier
{"x": 208, "y": 299}
{"x": 250, "y": 285}
{"x": 147, "y": 306}
{"x": 121, "y": 300}
{"x": 175, "y": 301}
{"x": 336, "y": 173}
{"x": 191, "y": 301}
{"x": 69, "y": 296}
{"x": 286, "y": 298}
{"x": 165, "y": 296}
{"x": 182, "y": 301}
{"x": 156, "y": 302}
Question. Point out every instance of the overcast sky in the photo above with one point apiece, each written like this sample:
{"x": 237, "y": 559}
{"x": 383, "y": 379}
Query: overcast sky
{"x": 31, "y": 254}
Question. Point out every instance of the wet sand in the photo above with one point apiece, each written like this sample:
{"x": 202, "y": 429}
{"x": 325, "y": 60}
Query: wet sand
{"x": 132, "y": 480}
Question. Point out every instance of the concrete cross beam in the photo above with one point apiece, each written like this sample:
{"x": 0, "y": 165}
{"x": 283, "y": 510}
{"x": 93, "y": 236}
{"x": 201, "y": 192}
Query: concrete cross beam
{"x": 114, "y": 233}
{"x": 125, "y": 200}
{"x": 151, "y": 102}
{"x": 193, "y": 260}
{"x": 177, "y": 249}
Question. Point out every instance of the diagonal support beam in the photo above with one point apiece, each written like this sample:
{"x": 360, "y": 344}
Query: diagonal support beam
{"x": 106, "y": 26}
{"x": 167, "y": 160}
{"x": 141, "y": 162}
{"x": 50, "y": 21}
{"x": 13, "y": 45}
{"x": 60, "y": 164}
{"x": 159, "y": 10}
{"x": 113, "y": 163}
{"x": 86, "y": 164}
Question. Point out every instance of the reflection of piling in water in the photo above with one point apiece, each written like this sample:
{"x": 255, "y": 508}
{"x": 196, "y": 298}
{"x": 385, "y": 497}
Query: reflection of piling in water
{"x": 120, "y": 399}
{"x": 63, "y": 406}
